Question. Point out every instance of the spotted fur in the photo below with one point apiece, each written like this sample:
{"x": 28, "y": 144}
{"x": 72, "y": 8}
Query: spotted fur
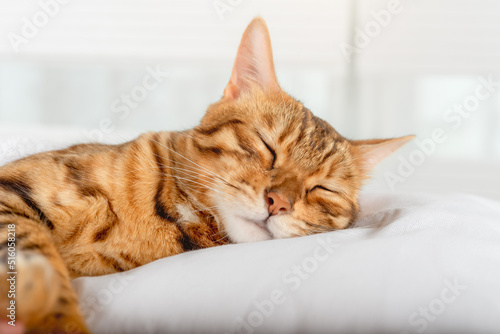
{"x": 98, "y": 209}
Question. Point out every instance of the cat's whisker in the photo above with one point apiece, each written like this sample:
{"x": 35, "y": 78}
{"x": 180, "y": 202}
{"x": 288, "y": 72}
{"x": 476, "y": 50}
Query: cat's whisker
{"x": 181, "y": 170}
{"x": 202, "y": 209}
{"x": 201, "y": 184}
{"x": 196, "y": 170}
{"x": 225, "y": 236}
{"x": 219, "y": 191}
{"x": 155, "y": 170}
{"x": 166, "y": 166}
{"x": 212, "y": 182}
{"x": 192, "y": 172}
{"x": 192, "y": 168}
{"x": 220, "y": 177}
{"x": 217, "y": 198}
{"x": 186, "y": 158}
{"x": 203, "y": 193}
{"x": 221, "y": 194}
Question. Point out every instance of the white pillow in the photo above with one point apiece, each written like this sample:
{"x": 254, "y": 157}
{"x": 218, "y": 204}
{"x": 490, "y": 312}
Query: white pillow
{"x": 413, "y": 263}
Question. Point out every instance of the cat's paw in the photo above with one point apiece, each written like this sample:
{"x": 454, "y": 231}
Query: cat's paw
{"x": 28, "y": 289}
{"x": 37, "y": 287}
{"x": 40, "y": 302}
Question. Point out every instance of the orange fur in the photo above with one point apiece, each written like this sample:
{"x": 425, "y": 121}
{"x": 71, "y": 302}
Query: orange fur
{"x": 98, "y": 209}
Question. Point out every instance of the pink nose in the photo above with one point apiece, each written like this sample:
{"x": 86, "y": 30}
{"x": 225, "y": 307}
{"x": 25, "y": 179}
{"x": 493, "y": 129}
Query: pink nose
{"x": 277, "y": 204}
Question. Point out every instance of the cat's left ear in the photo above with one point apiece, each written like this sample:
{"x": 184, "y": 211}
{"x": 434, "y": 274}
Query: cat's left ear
{"x": 373, "y": 151}
{"x": 254, "y": 62}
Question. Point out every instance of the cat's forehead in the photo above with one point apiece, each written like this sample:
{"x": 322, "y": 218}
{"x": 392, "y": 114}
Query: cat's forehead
{"x": 311, "y": 142}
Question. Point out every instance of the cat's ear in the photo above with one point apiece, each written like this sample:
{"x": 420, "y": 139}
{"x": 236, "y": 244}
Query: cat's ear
{"x": 254, "y": 62}
{"x": 373, "y": 151}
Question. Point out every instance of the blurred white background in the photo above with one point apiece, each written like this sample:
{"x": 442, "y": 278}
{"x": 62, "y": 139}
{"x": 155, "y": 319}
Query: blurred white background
{"x": 372, "y": 68}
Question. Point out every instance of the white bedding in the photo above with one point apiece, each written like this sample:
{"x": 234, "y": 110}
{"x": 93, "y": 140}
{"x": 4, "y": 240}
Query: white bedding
{"x": 414, "y": 263}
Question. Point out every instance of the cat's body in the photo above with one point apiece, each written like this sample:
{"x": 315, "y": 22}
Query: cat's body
{"x": 105, "y": 199}
{"x": 259, "y": 166}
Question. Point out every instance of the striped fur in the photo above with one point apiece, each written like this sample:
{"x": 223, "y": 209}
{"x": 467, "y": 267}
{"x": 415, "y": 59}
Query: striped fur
{"x": 98, "y": 209}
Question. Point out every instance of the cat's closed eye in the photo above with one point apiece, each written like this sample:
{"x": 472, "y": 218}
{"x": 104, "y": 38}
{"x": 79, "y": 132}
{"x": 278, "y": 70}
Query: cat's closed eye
{"x": 272, "y": 151}
{"x": 324, "y": 189}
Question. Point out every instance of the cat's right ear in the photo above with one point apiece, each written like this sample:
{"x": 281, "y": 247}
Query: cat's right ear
{"x": 254, "y": 62}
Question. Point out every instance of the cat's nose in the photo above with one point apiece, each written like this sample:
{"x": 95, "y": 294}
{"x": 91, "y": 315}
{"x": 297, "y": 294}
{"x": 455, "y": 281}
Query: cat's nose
{"x": 277, "y": 203}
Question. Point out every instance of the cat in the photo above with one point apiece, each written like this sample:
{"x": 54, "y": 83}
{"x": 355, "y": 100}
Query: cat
{"x": 259, "y": 166}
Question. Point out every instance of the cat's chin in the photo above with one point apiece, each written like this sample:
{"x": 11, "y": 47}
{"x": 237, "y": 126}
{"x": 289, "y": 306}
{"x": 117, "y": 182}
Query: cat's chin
{"x": 242, "y": 230}
{"x": 245, "y": 222}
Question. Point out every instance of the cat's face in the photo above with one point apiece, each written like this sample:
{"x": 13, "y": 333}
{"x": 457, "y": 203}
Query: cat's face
{"x": 274, "y": 170}
{"x": 286, "y": 173}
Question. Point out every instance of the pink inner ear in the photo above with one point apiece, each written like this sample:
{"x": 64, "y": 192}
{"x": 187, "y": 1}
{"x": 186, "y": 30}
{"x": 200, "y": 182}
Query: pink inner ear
{"x": 254, "y": 62}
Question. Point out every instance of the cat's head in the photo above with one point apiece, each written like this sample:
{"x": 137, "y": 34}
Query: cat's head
{"x": 281, "y": 171}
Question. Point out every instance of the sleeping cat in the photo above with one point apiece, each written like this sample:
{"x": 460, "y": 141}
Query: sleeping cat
{"x": 259, "y": 166}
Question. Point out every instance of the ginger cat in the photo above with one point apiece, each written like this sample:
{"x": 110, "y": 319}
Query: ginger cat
{"x": 259, "y": 166}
